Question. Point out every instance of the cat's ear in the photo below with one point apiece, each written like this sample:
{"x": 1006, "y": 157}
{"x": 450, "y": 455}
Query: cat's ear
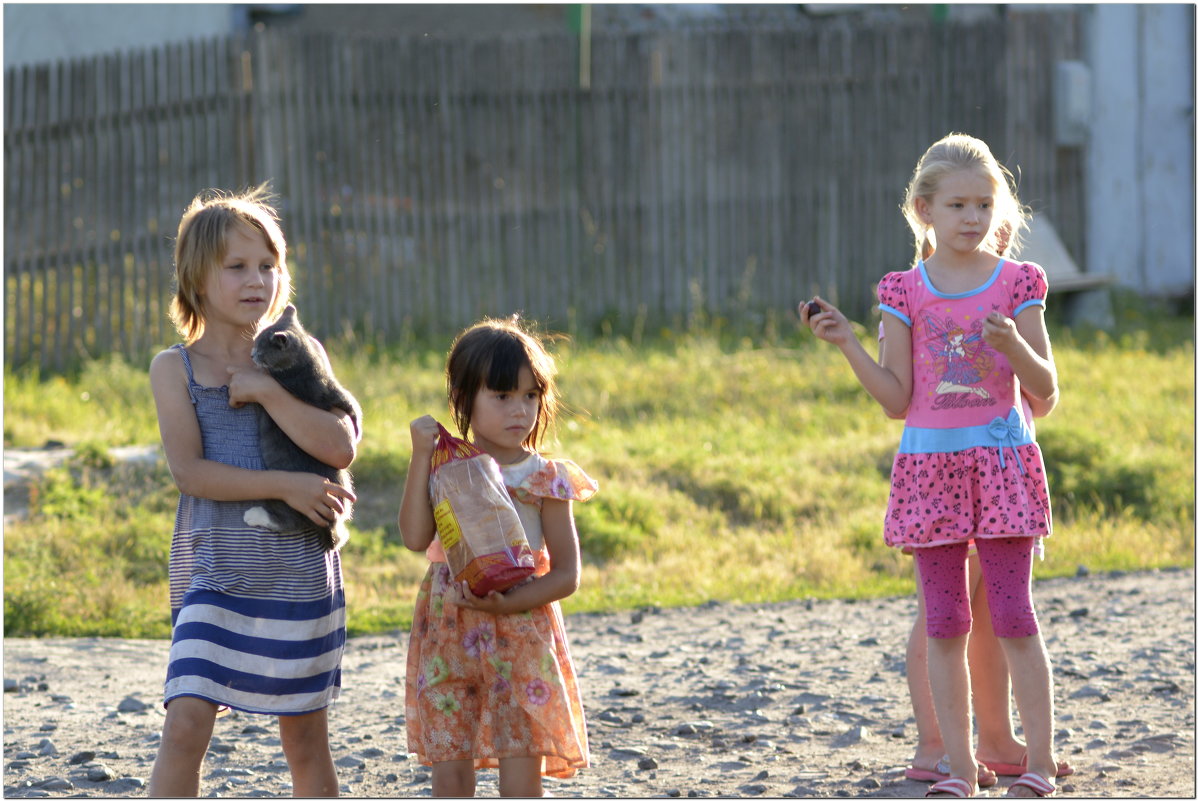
{"x": 288, "y": 312}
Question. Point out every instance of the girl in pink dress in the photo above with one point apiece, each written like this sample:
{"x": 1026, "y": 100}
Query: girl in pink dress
{"x": 965, "y": 335}
{"x": 490, "y": 681}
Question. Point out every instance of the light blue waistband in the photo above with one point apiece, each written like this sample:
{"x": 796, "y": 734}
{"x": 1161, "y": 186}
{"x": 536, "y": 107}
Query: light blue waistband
{"x": 1000, "y": 433}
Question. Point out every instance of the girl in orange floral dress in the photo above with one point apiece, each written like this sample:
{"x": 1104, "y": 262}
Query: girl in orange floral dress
{"x": 490, "y": 681}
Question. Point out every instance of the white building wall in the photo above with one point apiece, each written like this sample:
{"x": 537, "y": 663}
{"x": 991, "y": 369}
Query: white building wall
{"x": 39, "y": 32}
{"x": 1140, "y": 155}
{"x": 1167, "y": 147}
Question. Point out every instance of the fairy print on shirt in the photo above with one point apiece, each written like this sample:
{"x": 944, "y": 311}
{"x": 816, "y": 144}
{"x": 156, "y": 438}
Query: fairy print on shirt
{"x": 960, "y": 359}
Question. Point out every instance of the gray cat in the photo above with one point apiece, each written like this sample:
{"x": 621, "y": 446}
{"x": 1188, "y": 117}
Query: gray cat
{"x": 286, "y": 351}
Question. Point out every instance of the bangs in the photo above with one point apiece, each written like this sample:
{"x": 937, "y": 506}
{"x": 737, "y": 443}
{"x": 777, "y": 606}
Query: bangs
{"x": 503, "y": 373}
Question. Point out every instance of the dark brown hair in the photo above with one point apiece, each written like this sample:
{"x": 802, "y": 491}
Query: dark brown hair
{"x": 489, "y": 354}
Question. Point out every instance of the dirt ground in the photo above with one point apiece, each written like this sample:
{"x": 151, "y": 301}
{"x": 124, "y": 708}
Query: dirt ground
{"x": 804, "y": 698}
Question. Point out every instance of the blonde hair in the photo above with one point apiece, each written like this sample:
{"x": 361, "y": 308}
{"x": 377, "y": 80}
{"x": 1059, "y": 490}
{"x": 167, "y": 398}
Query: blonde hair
{"x": 963, "y": 152}
{"x": 202, "y": 243}
{"x": 489, "y": 354}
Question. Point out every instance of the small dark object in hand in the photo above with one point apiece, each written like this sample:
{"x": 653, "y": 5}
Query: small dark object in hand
{"x": 813, "y": 309}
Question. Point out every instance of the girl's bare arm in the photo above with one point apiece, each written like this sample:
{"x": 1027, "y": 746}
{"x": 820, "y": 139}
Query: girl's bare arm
{"x": 205, "y": 478}
{"x": 1024, "y": 341}
{"x": 416, "y": 524}
{"x": 328, "y": 436}
{"x": 561, "y": 538}
{"x": 889, "y": 382}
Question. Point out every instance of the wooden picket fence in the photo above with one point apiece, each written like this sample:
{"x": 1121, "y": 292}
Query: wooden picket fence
{"x": 425, "y": 182}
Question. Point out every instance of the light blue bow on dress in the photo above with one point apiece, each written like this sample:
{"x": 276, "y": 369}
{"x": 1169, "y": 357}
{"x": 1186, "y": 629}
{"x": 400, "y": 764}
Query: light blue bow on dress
{"x": 1007, "y": 432}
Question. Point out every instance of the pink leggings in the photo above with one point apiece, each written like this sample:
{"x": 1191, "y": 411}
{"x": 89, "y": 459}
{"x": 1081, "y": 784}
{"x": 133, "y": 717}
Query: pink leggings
{"x": 1007, "y": 571}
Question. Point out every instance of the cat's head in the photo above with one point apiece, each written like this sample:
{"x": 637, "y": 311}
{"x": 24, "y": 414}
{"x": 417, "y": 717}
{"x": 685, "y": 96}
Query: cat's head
{"x": 283, "y": 343}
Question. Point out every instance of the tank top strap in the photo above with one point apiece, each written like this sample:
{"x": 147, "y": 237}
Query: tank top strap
{"x": 191, "y": 379}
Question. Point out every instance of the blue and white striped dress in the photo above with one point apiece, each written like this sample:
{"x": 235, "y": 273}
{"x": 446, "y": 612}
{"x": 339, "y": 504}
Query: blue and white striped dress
{"x": 258, "y": 617}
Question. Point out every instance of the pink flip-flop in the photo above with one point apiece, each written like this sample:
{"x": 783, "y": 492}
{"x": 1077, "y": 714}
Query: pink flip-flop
{"x": 955, "y": 787}
{"x": 1011, "y": 769}
{"x": 1039, "y": 785}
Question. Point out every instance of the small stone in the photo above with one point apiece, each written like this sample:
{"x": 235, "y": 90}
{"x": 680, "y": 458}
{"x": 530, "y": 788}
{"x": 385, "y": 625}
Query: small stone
{"x": 11, "y": 685}
{"x": 131, "y": 704}
{"x": 56, "y": 784}
{"x": 608, "y": 716}
{"x": 46, "y": 748}
{"x": 1082, "y": 571}
{"x": 857, "y": 734}
{"x": 81, "y": 757}
{"x": 1090, "y": 691}
{"x": 127, "y": 784}
{"x": 100, "y": 773}
{"x": 647, "y": 763}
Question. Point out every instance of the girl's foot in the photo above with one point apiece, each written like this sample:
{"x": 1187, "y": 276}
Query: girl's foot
{"x": 1031, "y": 785}
{"x": 1019, "y": 767}
{"x": 940, "y": 771}
{"x": 952, "y": 788}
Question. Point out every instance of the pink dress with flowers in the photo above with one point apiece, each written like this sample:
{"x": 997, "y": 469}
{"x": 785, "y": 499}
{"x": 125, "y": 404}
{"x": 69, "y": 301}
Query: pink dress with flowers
{"x": 489, "y": 687}
{"x": 968, "y": 465}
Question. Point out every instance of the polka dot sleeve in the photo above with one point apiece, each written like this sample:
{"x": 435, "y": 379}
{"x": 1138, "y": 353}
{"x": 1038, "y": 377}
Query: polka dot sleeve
{"x": 1031, "y": 287}
{"x": 892, "y": 296}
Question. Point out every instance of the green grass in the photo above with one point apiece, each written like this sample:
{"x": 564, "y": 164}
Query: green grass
{"x": 741, "y": 468}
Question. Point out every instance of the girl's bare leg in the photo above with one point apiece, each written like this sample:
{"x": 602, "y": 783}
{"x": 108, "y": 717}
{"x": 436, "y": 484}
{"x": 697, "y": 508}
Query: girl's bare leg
{"x": 929, "y": 747}
{"x": 948, "y": 674}
{"x": 453, "y": 779}
{"x": 991, "y": 682}
{"x": 1031, "y": 679}
{"x": 186, "y": 733}
{"x": 520, "y": 777}
{"x": 306, "y": 746}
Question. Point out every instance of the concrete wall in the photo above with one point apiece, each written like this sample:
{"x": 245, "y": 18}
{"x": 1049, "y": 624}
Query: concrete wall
{"x": 39, "y": 32}
{"x": 1140, "y": 155}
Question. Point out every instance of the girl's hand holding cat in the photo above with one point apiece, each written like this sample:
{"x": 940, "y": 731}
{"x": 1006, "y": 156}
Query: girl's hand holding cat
{"x": 249, "y": 385}
{"x": 315, "y": 496}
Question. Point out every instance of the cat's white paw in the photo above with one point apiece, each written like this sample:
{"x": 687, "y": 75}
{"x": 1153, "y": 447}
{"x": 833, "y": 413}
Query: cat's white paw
{"x": 340, "y": 534}
{"x": 258, "y": 517}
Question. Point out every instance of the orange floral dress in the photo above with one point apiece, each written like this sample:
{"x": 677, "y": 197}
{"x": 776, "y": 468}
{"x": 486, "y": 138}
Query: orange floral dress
{"x": 490, "y": 687}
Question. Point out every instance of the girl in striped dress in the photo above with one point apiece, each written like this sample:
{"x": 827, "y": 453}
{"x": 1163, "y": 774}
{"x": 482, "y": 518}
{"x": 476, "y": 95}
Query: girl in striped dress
{"x": 258, "y": 616}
